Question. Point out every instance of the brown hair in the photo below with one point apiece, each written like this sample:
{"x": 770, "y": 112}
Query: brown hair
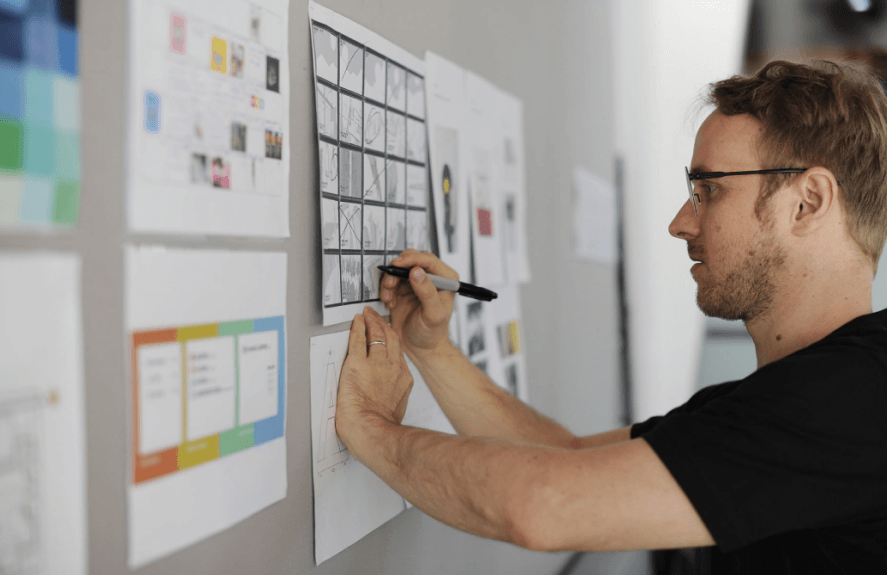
{"x": 822, "y": 113}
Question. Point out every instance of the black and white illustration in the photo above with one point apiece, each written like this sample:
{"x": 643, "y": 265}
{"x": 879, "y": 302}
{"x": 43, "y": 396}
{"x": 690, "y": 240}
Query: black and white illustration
{"x": 372, "y": 154}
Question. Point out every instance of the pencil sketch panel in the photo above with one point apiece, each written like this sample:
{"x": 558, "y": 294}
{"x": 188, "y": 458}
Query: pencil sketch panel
{"x": 326, "y": 111}
{"x": 415, "y": 95}
{"x": 350, "y": 120}
{"x": 395, "y": 136}
{"x": 371, "y": 276}
{"x": 326, "y": 57}
{"x": 417, "y": 230}
{"x": 396, "y": 227}
{"x": 350, "y": 225}
{"x": 374, "y": 79}
{"x": 351, "y": 66}
{"x": 373, "y": 228}
{"x": 374, "y": 127}
{"x": 416, "y": 150}
{"x": 374, "y": 180}
{"x": 329, "y": 223}
{"x": 417, "y": 186}
{"x": 396, "y": 87}
{"x": 329, "y": 168}
{"x": 395, "y": 184}
{"x": 351, "y": 278}
{"x": 350, "y": 173}
{"x": 332, "y": 285}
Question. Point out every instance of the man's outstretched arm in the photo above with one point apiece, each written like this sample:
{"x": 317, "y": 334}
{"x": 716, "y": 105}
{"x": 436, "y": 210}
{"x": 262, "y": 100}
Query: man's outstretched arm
{"x": 615, "y": 497}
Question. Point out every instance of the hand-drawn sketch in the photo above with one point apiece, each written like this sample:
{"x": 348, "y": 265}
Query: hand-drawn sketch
{"x": 395, "y": 185}
{"x": 396, "y": 230}
{"x": 332, "y": 452}
{"x": 351, "y": 66}
{"x": 332, "y": 280}
{"x": 396, "y": 96}
{"x": 374, "y": 77}
{"x": 352, "y": 270}
{"x": 374, "y": 177}
{"x": 396, "y": 141}
{"x": 327, "y": 114}
{"x": 329, "y": 223}
{"x": 415, "y": 96}
{"x": 349, "y": 225}
{"x": 476, "y": 340}
{"x": 374, "y": 228}
{"x": 329, "y": 168}
{"x": 374, "y": 127}
{"x": 349, "y": 173}
{"x": 416, "y": 149}
{"x": 417, "y": 230}
{"x": 350, "y": 120}
{"x": 417, "y": 186}
{"x": 371, "y": 276}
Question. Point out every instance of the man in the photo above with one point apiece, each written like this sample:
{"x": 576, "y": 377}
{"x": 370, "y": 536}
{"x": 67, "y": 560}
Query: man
{"x": 786, "y": 470}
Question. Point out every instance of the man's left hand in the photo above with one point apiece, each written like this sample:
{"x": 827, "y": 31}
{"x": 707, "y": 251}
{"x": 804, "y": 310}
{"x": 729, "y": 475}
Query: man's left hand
{"x": 375, "y": 383}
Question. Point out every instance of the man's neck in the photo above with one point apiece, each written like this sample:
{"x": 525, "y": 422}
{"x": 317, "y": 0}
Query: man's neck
{"x": 808, "y": 311}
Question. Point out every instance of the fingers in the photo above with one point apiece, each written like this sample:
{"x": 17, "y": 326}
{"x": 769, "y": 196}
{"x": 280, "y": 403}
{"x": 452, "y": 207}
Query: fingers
{"x": 391, "y": 339}
{"x": 375, "y": 332}
{"x": 432, "y": 305}
{"x": 425, "y": 260}
{"x": 357, "y": 341}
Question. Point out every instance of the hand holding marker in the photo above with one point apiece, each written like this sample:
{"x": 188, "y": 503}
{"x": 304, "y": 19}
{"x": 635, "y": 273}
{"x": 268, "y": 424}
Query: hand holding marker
{"x": 460, "y": 288}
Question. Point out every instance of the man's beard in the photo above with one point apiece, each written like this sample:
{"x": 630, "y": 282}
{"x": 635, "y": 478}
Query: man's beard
{"x": 747, "y": 291}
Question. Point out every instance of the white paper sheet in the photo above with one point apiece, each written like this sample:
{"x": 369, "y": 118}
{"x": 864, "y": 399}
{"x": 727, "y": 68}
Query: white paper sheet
{"x": 349, "y": 500}
{"x": 478, "y": 336}
{"x": 449, "y": 166}
{"x": 42, "y": 435}
{"x": 372, "y": 149}
{"x": 209, "y": 117}
{"x": 207, "y": 390}
{"x": 512, "y": 186}
{"x": 594, "y": 213}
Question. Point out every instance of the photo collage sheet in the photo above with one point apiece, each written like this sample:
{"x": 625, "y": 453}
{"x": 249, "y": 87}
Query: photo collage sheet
{"x": 372, "y": 151}
{"x": 209, "y": 90}
{"x": 478, "y": 188}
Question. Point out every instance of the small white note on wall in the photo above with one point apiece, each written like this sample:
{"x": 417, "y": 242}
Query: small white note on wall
{"x": 594, "y": 209}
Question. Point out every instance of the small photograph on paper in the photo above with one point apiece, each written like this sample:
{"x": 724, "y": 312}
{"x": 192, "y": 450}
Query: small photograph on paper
{"x": 396, "y": 190}
{"x": 417, "y": 186}
{"x": 374, "y": 79}
{"x": 238, "y": 137}
{"x": 177, "y": 25}
{"x": 395, "y": 137}
{"x": 446, "y": 140}
{"x": 511, "y": 223}
{"x": 329, "y": 223}
{"x": 272, "y": 74}
{"x": 475, "y": 326}
{"x": 326, "y": 55}
{"x": 327, "y": 111}
{"x": 350, "y": 120}
{"x": 351, "y": 66}
{"x": 255, "y": 24}
{"x": 349, "y": 173}
{"x": 374, "y": 183}
{"x": 396, "y": 229}
{"x": 273, "y": 144}
{"x": 352, "y": 282}
{"x": 416, "y": 149}
{"x": 237, "y": 59}
{"x": 332, "y": 283}
{"x": 417, "y": 230}
{"x": 415, "y": 96}
{"x": 373, "y": 228}
{"x": 219, "y": 58}
{"x": 329, "y": 168}
{"x": 509, "y": 338}
{"x": 372, "y": 276}
{"x": 199, "y": 169}
{"x": 396, "y": 96}
{"x": 349, "y": 226}
{"x": 374, "y": 127}
{"x": 221, "y": 173}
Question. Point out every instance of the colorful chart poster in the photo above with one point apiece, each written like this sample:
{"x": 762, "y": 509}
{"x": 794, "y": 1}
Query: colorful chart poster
{"x": 373, "y": 159}
{"x": 207, "y": 393}
{"x": 39, "y": 114}
{"x": 209, "y": 117}
{"x": 42, "y": 431}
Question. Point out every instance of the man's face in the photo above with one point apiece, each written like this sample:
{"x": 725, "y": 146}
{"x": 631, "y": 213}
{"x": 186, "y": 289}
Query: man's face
{"x": 738, "y": 254}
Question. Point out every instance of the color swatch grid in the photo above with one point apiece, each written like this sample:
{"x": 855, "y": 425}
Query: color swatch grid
{"x": 39, "y": 113}
{"x": 203, "y": 392}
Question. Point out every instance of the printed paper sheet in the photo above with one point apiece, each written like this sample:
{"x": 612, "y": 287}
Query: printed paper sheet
{"x": 42, "y": 437}
{"x": 594, "y": 217}
{"x": 209, "y": 117}
{"x": 207, "y": 392}
{"x": 370, "y": 97}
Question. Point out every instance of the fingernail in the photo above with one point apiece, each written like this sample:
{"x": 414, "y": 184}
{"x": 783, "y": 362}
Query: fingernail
{"x": 367, "y": 309}
{"x": 389, "y": 281}
{"x": 385, "y": 294}
{"x": 418, "y": 275}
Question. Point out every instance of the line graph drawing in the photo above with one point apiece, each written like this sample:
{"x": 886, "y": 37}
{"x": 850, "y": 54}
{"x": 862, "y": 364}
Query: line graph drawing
{"x": 374, "y": 127}
{"x": 349, "y": 226}
{"x": 351, "y": 66}
{"x": 20, "y": 473}
{"x": 329, "y": 168}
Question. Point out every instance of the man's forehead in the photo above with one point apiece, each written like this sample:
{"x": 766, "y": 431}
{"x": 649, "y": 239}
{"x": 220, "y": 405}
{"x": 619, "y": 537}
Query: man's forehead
{"x": 726, "y": 143}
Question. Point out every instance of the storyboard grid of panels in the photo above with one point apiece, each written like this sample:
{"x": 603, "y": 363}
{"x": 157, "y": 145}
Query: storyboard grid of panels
{"x": 373, "y": 164}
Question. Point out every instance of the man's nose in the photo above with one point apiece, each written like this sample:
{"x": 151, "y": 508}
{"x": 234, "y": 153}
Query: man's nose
{"x": 685, "y": 224}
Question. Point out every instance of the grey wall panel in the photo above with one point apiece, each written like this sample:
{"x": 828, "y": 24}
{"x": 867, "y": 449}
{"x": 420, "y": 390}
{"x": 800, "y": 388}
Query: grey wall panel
{"x": 553, "y": 55}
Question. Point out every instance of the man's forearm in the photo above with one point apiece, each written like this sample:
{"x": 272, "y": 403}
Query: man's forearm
{"x": 478, "y": 407}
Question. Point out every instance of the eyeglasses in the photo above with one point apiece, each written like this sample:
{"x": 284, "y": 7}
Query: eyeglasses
{"x": 694, "y": 199}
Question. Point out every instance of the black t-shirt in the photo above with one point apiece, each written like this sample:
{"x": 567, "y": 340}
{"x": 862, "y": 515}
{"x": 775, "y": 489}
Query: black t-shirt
{"x": 788, "y": 467}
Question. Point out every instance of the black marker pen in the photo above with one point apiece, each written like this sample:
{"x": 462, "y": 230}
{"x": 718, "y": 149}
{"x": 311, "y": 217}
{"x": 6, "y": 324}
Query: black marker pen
{"x": 460, "y": 288}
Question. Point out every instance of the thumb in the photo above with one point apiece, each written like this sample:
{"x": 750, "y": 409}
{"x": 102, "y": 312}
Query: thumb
{"x": 433, "y": 308}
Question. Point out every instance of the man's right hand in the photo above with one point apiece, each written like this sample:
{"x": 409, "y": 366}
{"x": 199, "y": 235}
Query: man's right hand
{"x": 420, "y": 314}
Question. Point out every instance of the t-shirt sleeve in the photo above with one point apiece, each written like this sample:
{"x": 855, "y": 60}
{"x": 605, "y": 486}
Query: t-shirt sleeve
{"x": 699, "y": 399}
{"x": 798, "y": 444}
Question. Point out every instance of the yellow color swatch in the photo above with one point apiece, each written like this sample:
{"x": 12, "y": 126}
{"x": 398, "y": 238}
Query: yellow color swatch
{"x": 219, "y": 61}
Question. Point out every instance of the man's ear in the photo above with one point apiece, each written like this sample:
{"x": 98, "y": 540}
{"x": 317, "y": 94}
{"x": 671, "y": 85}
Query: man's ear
{"x": 815, "y": 196}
